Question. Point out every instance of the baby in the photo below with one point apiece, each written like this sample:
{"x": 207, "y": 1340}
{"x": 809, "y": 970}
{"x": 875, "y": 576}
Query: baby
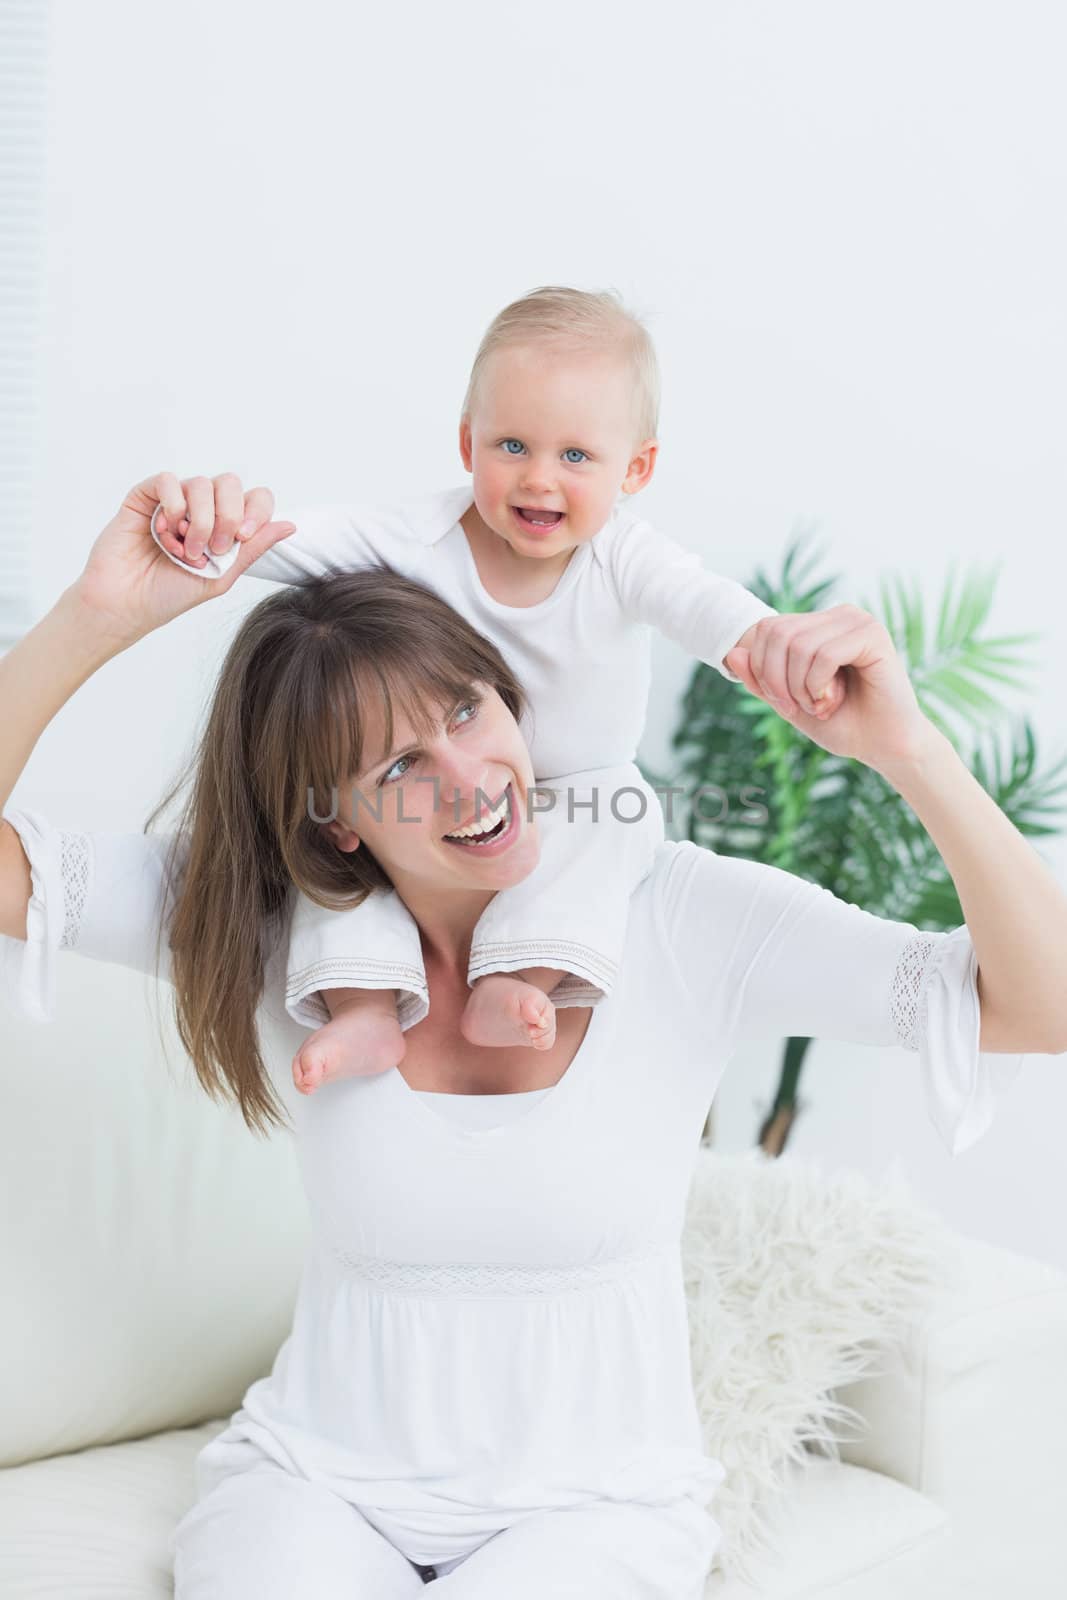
{"x": 541, "y": 554}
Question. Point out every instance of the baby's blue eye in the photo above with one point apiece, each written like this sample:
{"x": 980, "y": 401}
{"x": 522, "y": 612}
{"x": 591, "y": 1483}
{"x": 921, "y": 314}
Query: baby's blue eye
{"x": 506, "y": 442}
{"x": 575, "y": 453}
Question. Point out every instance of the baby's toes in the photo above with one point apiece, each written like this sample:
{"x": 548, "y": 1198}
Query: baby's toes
{"x": 308, "y": 1070}
{"x": 547, "y": 1037}
{"x": 539, "y": 1015}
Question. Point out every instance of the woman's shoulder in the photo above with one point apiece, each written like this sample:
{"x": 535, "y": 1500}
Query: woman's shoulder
{"x": 676, "y": 896}
{"x": 697, "y": 902}
{"x": 687, "y": 923}
{"x": 680, "y": 867}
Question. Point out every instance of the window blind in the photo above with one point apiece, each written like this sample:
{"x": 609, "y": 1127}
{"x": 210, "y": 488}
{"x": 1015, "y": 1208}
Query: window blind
{"x": 23, "y": 61}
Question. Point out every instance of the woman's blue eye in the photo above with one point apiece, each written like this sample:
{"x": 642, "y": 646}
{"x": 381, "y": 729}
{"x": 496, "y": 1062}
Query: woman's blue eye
{"x": 575, "y": 453}
{"x": 387, "y": 777}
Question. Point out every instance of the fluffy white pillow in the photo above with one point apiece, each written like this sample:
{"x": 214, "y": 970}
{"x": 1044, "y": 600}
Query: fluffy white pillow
{"x": 797, "y": 1282}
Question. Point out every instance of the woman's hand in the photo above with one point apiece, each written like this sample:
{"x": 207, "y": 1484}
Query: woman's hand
{"x": 130, "y": 584}
{"x": 792, "y": 663}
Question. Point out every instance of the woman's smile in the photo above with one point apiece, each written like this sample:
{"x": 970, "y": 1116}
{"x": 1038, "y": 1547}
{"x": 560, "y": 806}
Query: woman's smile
{"x": 492, "y": 832}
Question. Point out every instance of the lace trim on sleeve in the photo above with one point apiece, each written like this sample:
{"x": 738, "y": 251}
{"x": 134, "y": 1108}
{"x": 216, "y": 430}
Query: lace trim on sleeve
{"x": 27, "y": 966}
{"x": 75, "y": 866}
{"x": 936, "y": 1006}
{"x": 908, "y": 990}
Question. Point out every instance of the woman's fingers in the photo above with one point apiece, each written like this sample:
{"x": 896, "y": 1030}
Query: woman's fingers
{"x": 252, "y": 548}
{"x": 769, "y": 659}
{"x": 793, "y": 661}
{"x": 818, "y": 665}
{"x": 202, "y": 514}
{"x": 238, "y": 515}
{"x": 229, "y": 511}
{"x": 200, "y": 499}
{"x": 258, "y": 509}
{"x": 813, "y": 681}
{"x": 166, "y": 489}
{"x": 876, "y": 719}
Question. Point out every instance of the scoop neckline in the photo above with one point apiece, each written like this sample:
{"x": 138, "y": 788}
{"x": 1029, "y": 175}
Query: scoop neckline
{"x": 580, "y": 558}
{"x": 555, "y": 1093}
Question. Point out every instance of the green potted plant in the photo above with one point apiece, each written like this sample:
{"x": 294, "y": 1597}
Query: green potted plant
{"x": 787, "y": 802}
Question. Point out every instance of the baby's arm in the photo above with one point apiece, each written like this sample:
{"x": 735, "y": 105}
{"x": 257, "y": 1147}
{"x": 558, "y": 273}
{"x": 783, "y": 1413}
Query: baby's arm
{"x": 663, "y": 584}
{"x": 328, "y": 538}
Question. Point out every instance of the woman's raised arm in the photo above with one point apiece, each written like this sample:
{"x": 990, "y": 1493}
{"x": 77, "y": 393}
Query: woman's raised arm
{"x": 127, "y": 589}
{"x": 1015, "y": 911}
{"x": 38, "y": 677}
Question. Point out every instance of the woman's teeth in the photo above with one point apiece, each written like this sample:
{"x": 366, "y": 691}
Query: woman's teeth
{"x": 489, "y": 826}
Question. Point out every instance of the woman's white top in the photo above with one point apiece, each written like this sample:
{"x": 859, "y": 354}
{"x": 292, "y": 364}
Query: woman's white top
{"x": 583, "y": 655}
{"x": 492, "y": 1318}
{"x": 478, "y": 1111}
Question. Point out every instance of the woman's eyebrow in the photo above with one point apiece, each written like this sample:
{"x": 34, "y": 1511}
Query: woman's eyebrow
{"x": 394, "y": 755}
{"x": 406, "y": 744}
{"x": 387, "y": 761}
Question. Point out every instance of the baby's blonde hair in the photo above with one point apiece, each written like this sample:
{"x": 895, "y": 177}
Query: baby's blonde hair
{"x": 577, "y": 320}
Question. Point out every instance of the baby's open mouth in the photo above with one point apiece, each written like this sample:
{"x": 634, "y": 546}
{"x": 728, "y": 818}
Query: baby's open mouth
{"x": 537, "y": 518}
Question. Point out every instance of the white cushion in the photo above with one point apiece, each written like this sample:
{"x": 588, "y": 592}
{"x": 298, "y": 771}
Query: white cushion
{"x": 151, "y": 1245}
{"x": 99, "y": 1523}
{"x": 840, "y": 1525}
{"x": 797, "y": 1280}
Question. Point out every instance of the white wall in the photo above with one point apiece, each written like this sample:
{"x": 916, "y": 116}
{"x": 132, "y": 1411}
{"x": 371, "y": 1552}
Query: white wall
{"x": 276, "y": 234}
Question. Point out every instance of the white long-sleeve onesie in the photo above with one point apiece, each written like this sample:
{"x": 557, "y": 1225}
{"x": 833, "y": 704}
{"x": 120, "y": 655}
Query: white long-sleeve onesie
{"x": 492, "y": 1322}
{"x": 583, "y": 657}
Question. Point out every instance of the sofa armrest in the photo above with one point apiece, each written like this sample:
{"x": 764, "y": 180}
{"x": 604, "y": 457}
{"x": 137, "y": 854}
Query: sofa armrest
{"x": 973, "y": 1410}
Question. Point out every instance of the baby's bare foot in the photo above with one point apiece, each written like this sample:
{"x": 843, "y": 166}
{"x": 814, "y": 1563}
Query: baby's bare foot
{"x": 357, "y": 1044}
{"x": 504, "y": 1010}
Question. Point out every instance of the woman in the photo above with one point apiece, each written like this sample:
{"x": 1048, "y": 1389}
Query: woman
{"x": 487, "y": 1381}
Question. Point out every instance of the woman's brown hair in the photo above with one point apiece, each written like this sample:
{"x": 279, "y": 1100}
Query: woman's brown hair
{"x": 284, "y": 729}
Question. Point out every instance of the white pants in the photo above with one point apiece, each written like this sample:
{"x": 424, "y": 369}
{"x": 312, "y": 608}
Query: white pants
{"x": 266, "y": 1534}
{"x": 570, "y": 913}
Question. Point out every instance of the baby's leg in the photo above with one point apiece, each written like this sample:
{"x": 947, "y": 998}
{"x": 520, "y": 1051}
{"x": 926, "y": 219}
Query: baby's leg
{"x": 507, "y": 1008}
{"x": 563, "y": 928}
{"x": 363, "y": 1037}
{"x": 359, "y": 972}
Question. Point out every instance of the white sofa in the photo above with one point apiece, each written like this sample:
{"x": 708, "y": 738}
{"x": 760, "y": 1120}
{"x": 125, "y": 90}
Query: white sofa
{"x": 151, "y": 1249}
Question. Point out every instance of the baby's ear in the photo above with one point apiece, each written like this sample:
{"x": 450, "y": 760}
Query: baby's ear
{"x": 465, "y": 443}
